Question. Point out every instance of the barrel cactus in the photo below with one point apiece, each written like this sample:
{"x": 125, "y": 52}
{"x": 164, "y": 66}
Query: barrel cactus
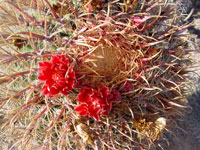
{"x": 88, "y": 74}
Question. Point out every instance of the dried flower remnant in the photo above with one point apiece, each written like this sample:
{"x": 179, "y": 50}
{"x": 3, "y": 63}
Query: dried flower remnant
{"x": 61, "y": 9}
{"x": 57, "y": 74}
{"x": 149, "y": 129}
{"x": 85, "y": 133}
{"x": 19, "y": 42}
{"x": 94, "y": 3}
{"x": 94, "y": 102}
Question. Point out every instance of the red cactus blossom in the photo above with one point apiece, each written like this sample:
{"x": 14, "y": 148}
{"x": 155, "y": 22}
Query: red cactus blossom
{"x": 116, "y": 96}
{"x": 138, "y": 21}
{"x": 95, "y": 102}
{"x": 127, "y": 87}
{"x": 57, "y": 75}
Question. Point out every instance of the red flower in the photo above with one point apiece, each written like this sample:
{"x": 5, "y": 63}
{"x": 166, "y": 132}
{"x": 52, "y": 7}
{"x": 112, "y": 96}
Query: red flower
{"x": 116, "y": 96}
{"x": 127, "y": 87}
{"x": 95, "y": 102}
{"x": 57, "y": 74}
{"x": 138, "y": 21}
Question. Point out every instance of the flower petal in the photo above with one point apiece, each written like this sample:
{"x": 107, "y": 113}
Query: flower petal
{"x": 53, "y": 73}
{"x": 95, "y": 100}
{"x": 82, "y": 109}
{"x": 85, "y": 94}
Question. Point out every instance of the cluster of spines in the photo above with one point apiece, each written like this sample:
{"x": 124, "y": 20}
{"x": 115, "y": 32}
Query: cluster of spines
{"x": 154, "y": 75}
